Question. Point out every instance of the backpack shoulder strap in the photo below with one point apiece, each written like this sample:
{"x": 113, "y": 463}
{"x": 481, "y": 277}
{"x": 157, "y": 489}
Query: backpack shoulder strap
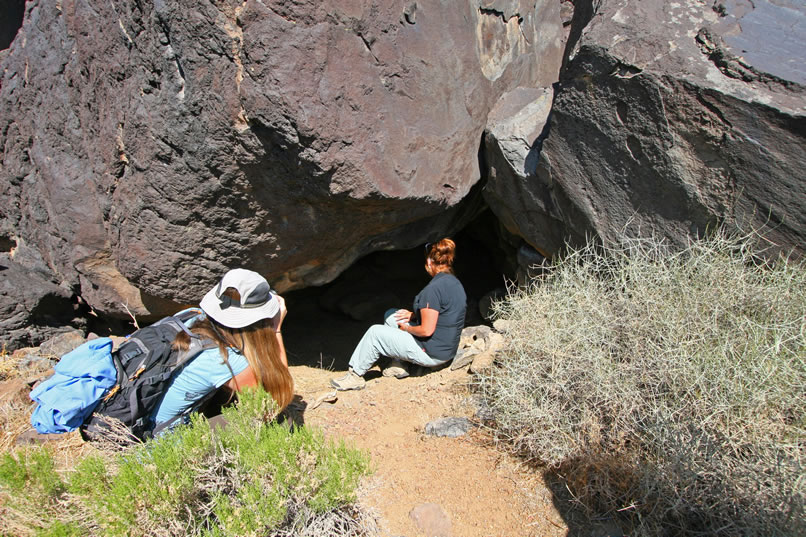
{"x": 207, "y": 344}
{"x": 195, "y": 406}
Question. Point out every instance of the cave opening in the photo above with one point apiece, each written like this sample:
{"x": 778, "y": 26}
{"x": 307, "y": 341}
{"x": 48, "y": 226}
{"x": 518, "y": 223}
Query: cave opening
{"x": 11, "y": 22}
{"x": 325, "y": 323}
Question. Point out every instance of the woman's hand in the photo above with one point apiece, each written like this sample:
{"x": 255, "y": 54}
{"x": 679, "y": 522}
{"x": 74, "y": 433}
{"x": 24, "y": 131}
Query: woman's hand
{"x": 277, "y": 320}
{"x": 428, "y": 323}
{"x": 402, "y": 316}
{"x": 277, "y": 323}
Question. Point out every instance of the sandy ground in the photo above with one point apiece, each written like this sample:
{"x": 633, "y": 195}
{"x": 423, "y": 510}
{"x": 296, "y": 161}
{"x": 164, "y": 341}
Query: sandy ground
{"x": 483, "y": 491}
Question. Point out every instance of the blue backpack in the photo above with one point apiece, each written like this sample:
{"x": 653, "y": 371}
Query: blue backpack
{"x": 92, "y": 383}
{"x": 80, "y": 380}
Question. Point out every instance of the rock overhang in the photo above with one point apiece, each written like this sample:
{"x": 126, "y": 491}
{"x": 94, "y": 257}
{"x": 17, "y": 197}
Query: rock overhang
{"x": 290, "y": 138}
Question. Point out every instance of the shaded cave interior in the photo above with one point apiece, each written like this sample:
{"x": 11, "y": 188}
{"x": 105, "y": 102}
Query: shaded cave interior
{"x": 11, "y": 21}
{"x": 325, "y": 323}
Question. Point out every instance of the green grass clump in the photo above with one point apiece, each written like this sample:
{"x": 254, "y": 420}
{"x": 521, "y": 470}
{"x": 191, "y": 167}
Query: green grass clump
{"x": 250, "y": 478}
{"x": 667, "y": 388}
{"x": 32, "y": 491}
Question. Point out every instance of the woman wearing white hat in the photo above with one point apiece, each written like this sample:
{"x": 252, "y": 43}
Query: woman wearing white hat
{"x": 243, "y": 317}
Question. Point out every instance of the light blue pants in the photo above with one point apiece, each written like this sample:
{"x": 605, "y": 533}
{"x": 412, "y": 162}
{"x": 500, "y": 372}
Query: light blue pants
{"x": 390, "y": 341}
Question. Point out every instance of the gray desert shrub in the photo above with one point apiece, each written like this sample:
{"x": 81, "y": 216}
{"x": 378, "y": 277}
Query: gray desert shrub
{"x": 665, "y": 388}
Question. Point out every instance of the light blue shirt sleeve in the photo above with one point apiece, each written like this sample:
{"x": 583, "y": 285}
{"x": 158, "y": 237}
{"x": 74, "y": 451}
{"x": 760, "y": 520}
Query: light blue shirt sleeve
{"x": 204, "y": 373}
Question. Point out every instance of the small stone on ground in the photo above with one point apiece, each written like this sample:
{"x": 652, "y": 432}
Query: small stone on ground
{"x": 450, "y": 427}
{"x": 482, "y": 362}
{"x": 432, "y": 520}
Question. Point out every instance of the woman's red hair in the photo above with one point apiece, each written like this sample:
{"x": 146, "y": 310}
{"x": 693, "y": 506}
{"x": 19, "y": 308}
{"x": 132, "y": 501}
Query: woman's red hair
{"x": 442, "y": 254}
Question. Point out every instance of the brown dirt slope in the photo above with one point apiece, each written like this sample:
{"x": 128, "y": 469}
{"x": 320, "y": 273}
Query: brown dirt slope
{"x": 483, "y": 491}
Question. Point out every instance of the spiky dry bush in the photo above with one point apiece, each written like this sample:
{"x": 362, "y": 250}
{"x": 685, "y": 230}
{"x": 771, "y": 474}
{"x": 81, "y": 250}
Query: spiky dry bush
{"x": 667, "y": 388}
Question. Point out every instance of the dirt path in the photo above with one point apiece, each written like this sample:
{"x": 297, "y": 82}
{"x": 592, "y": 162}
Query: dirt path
{"x": 482, "y": 491}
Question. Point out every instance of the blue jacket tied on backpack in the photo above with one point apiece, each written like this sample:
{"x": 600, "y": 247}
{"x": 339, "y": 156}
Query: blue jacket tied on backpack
{"x": 81, "y": 378}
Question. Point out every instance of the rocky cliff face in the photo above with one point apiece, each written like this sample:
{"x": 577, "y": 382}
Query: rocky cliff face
{"x": 147, "y": 147}
{"x": 669, "y": 117}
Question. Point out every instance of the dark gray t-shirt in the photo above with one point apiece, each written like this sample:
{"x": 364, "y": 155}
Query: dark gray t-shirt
{"x": 445, "y": 294}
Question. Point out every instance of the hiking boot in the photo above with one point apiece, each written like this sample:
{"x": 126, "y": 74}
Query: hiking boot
{"x": 395, "y": 369}
{"x": 350, "y": 381}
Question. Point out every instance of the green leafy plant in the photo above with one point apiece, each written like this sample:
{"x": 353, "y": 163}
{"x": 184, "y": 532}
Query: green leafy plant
{"x": 248, "y": 478}
{"x": 665, "y": 387}
{"x": 32, "y": 498}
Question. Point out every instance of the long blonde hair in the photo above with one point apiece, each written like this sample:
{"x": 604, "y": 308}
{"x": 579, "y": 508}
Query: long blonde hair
{"x": 258, "y": 343}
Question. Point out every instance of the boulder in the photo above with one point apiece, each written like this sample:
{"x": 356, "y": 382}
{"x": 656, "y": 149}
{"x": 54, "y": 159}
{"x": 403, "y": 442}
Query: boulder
{"x": 531, "y": 264}
{"x": 147, "y": 147}
{"x": 472, "y": 341}
{"x": 512, "y": 145}
{"x": 473, "y": 334}
{"x": 502, "y": 325}
{"x": 463, "y": 358}
{"x": 669, "y": 118}
{"x": 482, "y": 362}
{"x": 61, "y": 344}
{"x": 33, "y": 307}
{"x": 486, "y": 302}
{"x": 495, "y": 342}
{"x": 478, "y": 347}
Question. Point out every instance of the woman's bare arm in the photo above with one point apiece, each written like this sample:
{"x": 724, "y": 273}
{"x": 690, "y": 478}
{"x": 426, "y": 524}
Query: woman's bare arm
{"x": 244, "y": 379}
{"x": 428, "y": 323}
{"x": 281, "y": 347}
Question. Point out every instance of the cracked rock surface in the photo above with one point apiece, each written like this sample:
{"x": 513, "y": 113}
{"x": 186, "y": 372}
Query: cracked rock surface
{"x": 670, "y": 117}
{"x": 148, "y": 147}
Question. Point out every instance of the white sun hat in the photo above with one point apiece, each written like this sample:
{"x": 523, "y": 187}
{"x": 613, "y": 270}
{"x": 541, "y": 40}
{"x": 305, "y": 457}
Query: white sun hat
{"x": 257, "y": 301}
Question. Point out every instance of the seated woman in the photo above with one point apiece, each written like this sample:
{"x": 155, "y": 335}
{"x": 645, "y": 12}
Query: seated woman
{"x": 427, "y": 336}
{"x": 244, "y": 319}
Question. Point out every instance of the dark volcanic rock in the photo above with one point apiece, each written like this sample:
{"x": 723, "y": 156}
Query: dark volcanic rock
{"x": 59, "y": 345}
{"x": 32, "y": 307}
{"x": 149, "y": 146}
{"x": 769, "y": 36}
{"x": 670, "y": 117}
